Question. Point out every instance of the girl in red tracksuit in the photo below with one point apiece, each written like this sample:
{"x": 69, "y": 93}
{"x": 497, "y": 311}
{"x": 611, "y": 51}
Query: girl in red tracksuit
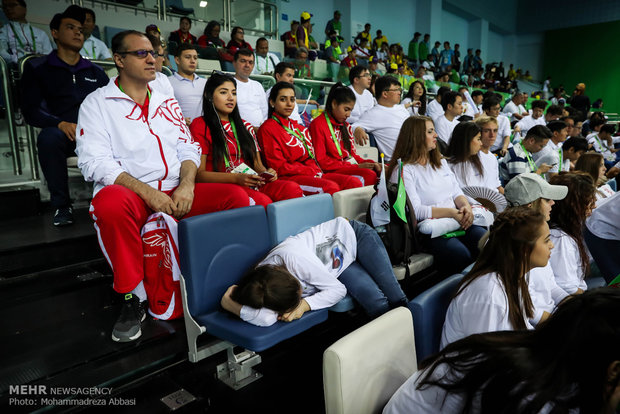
{"x": 332, "y": 135}
{"x": 287, "y": 147}
{"x": 227, "y": 142}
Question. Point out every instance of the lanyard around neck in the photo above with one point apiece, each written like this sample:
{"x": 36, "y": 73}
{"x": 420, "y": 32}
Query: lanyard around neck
{"x": 227, "y": 157}
{"x": 529, "y": 158}
{"x": 296, "y": 134}
{"x": 93, "y": 50}
{"x": 561, "y": 154}
{"x": 331, "y": 130}
{"x": 21, "y": 44}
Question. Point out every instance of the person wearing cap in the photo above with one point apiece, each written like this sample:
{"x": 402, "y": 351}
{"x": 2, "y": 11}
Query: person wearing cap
{"x": 303, "y": 37}
{"x": 53, "y": 87}
{"x": 152, "y": 30}
{"x": 365, "y": 34}
{"x": 580, "y": 100}
{"x": 333, "y": 25}
{"x": 372, "y": 66}
{"x": 519, "y": 160}
{"x": 93, "y": 48}
{"x": 531, "y": 190}
{"x": 19, "y": 38}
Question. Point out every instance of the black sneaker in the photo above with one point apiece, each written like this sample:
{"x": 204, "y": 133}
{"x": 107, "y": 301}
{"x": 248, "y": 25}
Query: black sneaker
{"x": 63, "y": 216}
{"x": 127, "y": 327}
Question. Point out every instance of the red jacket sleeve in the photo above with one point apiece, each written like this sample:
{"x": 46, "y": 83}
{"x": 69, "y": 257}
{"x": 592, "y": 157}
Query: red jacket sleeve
{"x": 272, "y": 138}
{"x": 324, "y": 147}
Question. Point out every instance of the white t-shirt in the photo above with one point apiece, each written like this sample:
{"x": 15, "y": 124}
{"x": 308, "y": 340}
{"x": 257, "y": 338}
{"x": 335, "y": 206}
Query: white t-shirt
{"x": 600, "y": 146}
{"x": 428, "y": 188}
{"x": 566, "y": 262}
{"x": 363, "y": 103}
{"x": 481, "y": 307}
{"x": 251, "y": 102}
{"x": 295, "y": 115}
{"x": 551, "y": 146}
{"x": 434, "y": 110}
{"x": 605, "y": 219}
{"x": 316, "y": 257}
{"x": 528, "y": 122}
{"x": 510, "y": 109}
{"x": 503, "y": 130}
{"x": 468, "y": 176}
{"x": 444, "y": 128}
{"x": 490, "y": 166}
{"x": 552, "y": 157}
{"x": 544, "y": 291}
{"x": 384, "y": 123}
{"x": 413, "y": 110}
{"x": 161, "y": 84}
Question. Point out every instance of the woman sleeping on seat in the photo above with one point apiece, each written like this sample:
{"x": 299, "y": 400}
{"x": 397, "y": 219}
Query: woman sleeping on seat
{"x": 314, "y": 270}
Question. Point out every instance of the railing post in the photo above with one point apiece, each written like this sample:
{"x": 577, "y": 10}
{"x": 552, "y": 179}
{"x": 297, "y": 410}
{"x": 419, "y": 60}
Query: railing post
{"x": 8, "y": 104}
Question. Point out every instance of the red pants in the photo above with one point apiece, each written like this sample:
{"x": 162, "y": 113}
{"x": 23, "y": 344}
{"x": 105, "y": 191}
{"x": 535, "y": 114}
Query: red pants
{"x": 119, "y": 215}
{"x": 328, "y": 183}
{"x": 368, "y": 176}
{"x": 274, "y": 191}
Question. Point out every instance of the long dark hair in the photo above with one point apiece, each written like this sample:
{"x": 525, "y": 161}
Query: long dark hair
{"x": 563, "y": 363}
{"x": 212, "y": 122}
{"x": 340, "y": 94}
{"x": 569, "y": 214}
{"x": 268, "y": 286}
{"x": 458, "y": 151}
{"x": 507, "y": 253}
{"x": 273, "y": 95}
{"x": 411, "y": 145}
{"x": 209, "y": 28}
{"x": 422, "y": 108}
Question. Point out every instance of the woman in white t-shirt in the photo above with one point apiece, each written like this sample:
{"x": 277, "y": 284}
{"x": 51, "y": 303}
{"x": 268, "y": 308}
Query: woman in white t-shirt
{"x": 416, "y": 96}
{"x": 462, "y": 154}
{"x": 569, "y": 260}
{"x": 569, "y": 365}
{"x": 314, "y": 270}
{"x": 494, "y": 295}
{"x": 434, "y": 193}
{"x": 593, "y": 163}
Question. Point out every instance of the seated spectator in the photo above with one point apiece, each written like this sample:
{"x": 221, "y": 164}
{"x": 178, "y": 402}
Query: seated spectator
{"x": 494, "y": 295}
{"x": 19, "y": 38}
{"x": 153, "y": 30}
{"x": 490, "y": 165}
{"x": 312, "y": 271}
{"x": 559, "y": 131}
{"x": 526, "y": 371}
{"x": 182, "y": 34}
{"x": 490, "y": 107}
{"x": 452, "y": 104}
{"x": 302, "y": 68}
{"x": 383, "y": 54}
{"x": 359, "y": 78}
{"x": 250, "y": 93}
{"x": 93, "y": 48}
{"x": 602, "y": 236}
{"x": 266, "y": 61}
{"x": 580, "y": 101}
{"x": 227, "y": 142}
{"x": 514, "y": 109}
{"x": 333, "y": 50}
{"x": 332, "y": 138}
{"x": 288, "y": 149}
{"x": 290, "y": 40}
{"x": 536, "y": 118}
{"x": 519, "y": 159}
{"x": 188, "y": 87}
{"x": 593, "y": 164}
{"x": 478, "y": 97}
{"x": 364, "y": 35}
{"x": 53, "y": 87}
{"x": 303, "y": 37}
{"x": 435, "y": 109}
{"x": 383, "y": 120}
{"x": 588, "y": 126}
{"x": 161, "y": 82}
{"x": 113, "y": 122}
{"x": 237, "y": 41}
{"x": 554, "y": 112}
{"x": 415, "y": 100}
{"x": 434, "y": 193}
{"x": 211, "y": 39}
{"x": 530, "y": 190}
{"x": 569, "y": 260}
{"x": 285, "y": 72}
{"x": 361, "y": 50}
{"x": 349, "y": 61}
{"x": 313, "y": 46}
{"x": 422, "y": 75}
{"x": 565, "y": 157}
{"x": 601, "y": 141}
{"x": 379, "y": 40}
{"x": 373, "y": 66}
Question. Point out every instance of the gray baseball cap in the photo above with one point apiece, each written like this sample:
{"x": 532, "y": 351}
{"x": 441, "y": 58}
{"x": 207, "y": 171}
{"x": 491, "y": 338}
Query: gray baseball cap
{"x": 529, "y": 187}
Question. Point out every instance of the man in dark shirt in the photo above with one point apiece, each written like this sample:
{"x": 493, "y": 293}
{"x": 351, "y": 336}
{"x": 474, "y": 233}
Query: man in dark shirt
{"x": 580, "y": 100}
{"x": 53, "y": 87}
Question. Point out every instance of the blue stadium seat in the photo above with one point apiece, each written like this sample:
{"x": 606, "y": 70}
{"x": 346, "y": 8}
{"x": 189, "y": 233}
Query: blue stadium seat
{"x": 216, "y": 250}
{"x": 429, "y": 312}
{"x": 289, "y": 217}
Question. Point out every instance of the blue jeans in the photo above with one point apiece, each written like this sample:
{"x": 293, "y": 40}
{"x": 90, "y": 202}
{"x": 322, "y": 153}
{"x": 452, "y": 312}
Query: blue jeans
{"x": 370, "y": 279}
{"x": 605, "y": 254}
{"x": 455, "y": 254}
{"x": 53, "y": 148}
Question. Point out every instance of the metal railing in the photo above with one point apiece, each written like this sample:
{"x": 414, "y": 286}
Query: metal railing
{"x": 7, "y": 93}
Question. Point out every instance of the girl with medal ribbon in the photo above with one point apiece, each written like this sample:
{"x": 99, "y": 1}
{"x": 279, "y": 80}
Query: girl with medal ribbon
{"x": 228, "y": 146}
{"x": 332, "y": 139}
{"x": 287, "y": 147}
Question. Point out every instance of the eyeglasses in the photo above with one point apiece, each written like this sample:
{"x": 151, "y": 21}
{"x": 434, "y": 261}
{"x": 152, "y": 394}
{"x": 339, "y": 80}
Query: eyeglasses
{"x": 141, "y": 54}
{"x": 368, "y": 75}
{"x": 395, "y": 90}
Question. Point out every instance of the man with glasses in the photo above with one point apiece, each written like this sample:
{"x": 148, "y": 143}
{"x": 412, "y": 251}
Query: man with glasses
{"x": 384, "y": 119}
{"x": 18, "y": 38}
{"x": 360, "y": 78}
{"x": 53, "y": 87}
{"x": 133, "y": 143}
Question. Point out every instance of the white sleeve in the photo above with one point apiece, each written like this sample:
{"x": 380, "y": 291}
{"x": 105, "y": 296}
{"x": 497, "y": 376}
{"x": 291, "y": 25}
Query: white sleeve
{"x": 456, "y": 188}
{"x": 505, "y": 132}
{"x": 94, "y": 146}
{"x": 422, "y": 212}
{"x": 258, "y": 317}
{"x": 442, "y": 130}
{"x": 565, "y": 264}
{"x": 46, "y": 44}
{"x": 187, "y": 148}
{"x": 365, "y": 121}
{"x": 264, "y": 108}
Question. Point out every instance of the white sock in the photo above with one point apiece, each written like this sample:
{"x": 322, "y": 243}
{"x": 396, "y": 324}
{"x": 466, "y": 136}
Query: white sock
{"x": 140, "y": 292}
